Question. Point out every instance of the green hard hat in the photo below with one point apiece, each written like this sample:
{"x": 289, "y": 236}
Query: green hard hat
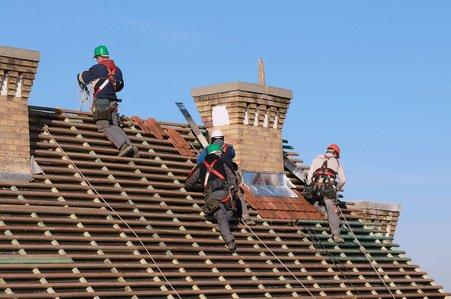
{"x": 213, "y": 148}
{"x": 101, "y": 51}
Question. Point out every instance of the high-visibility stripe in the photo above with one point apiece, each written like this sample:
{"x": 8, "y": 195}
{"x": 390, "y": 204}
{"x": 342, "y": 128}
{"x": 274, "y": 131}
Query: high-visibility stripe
{"x": 101, "y": 87}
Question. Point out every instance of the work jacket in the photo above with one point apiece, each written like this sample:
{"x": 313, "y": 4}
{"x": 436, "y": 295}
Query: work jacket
{"x": 202, "y": 178}
{"x": 332, "y": 165}
{"x": 97, "y": 75}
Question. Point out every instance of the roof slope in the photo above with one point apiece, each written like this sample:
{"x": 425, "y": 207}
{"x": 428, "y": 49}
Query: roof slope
{"x": 64, "y": 241}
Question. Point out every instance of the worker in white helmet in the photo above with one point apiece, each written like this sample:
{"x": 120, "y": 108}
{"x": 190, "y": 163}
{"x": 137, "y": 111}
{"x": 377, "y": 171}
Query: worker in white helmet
{"x": 218, "y": 138}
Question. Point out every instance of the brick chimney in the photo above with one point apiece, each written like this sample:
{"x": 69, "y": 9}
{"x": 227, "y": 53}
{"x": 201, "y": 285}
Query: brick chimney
{"x": 251, "y": 116}
{"x": 17, "y": 72}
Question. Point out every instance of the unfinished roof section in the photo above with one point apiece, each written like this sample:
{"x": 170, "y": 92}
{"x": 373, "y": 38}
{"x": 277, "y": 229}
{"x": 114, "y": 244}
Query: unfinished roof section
{"x": 62, "y": 214}
{"x": 383, "y": 216}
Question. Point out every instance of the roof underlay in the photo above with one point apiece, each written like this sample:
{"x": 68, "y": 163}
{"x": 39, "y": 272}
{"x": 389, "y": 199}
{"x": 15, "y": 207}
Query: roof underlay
{"x": 67, "y": 242}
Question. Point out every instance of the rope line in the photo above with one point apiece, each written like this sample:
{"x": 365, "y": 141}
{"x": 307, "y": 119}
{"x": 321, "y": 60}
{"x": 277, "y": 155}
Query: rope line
{"x": 115, "y": 213}
{"x": 280, "y": 261}
{"x": 319, "y": 243}
{"x": 363, "y": 250}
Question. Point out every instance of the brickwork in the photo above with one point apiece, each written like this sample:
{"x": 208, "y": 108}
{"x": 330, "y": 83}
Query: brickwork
{"x": 17, "y": 72}
{"x": 256, "y": 113}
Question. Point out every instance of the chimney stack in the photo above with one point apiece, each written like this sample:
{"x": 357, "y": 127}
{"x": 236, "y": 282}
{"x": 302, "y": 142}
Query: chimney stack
{"x": 17, "y": 71}
{"x": 251, "y": 116}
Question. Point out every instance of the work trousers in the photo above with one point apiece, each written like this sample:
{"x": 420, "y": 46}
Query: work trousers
{"x": 108, "y": 122}
{"x": 223, "y": 216}
{"x": 331, "y": 211}
{"x": 242, "y": 207}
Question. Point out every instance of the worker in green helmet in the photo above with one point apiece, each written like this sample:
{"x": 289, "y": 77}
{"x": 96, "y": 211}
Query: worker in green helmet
{"x": 106, "y": 79}
{"x": 215, "y": 178}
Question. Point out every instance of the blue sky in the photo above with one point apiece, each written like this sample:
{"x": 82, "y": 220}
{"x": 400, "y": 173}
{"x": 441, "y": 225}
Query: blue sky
{"x": 372, "y": 76}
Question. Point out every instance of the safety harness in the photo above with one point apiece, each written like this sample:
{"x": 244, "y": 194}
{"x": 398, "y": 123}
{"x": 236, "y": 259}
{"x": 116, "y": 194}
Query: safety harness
{"x": 325, "y": 172}
{"x": 212, "y": 171}
{"x": 324, "y": 183}
{"x": 112, "y": 70}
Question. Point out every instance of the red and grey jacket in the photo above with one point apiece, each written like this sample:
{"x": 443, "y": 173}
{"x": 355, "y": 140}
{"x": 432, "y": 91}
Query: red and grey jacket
{"x": 326, "y": 167}
{"x": 106, "y": 77}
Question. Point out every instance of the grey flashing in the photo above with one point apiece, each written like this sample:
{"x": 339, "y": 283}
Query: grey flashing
{"x": 11, "y": 177}
{"x": 19, "y": 53}
{"x": 372, "y": 205}
{"x": 242, "y": 86}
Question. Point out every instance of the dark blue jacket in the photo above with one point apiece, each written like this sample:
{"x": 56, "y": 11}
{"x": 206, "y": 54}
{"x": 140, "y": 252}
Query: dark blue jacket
{"x": 100, "y": 71}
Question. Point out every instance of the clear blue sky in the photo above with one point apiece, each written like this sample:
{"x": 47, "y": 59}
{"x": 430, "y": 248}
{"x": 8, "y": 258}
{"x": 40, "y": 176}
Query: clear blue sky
{"x": 373, "y": 76}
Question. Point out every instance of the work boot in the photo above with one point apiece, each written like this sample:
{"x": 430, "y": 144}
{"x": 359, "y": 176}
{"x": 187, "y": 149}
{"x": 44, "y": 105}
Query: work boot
{"x": 125, "y": 150}
{"x": 249, "y": 222}
{"x": 231, "y": 245}
{"x": 135, "y": 152}
{"x": 338, "y": 239}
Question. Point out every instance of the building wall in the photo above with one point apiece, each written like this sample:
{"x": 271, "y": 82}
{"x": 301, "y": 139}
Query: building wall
{"x": 17, "y": 72}
{"x": 256, "y": 116}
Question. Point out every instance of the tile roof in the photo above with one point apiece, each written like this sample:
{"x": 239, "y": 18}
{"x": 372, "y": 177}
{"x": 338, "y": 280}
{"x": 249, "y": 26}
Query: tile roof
{"x": 76, "y": 246}
{"x": 282, "y": 207}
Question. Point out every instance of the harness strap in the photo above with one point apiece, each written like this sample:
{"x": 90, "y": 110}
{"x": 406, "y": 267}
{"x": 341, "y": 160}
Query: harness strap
{"x": 325, "y": 171}
{"x": 211, "y": 170}
{"x": 224, "y": 148}
{"x": 111, "y": 67}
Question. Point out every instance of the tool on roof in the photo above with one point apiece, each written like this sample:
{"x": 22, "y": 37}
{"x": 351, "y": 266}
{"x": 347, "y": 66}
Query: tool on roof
{"x": 196, "y": 131}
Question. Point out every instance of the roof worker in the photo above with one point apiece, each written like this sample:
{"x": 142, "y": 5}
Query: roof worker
{"x": 325, "y": 177}
{"x": 106, "y": 79}
{"x": 228, "y": 153}
{"x": 217, "y": 180}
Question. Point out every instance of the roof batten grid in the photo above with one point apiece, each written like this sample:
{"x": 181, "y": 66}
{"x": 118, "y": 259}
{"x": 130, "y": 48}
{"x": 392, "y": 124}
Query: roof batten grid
{"x": 115, "y": 226}
{"x": 65, "y": 157}
{"x": 336, "y": 263}
{"x": 125, "y": 223}
{"x": 159, "y": 134}
{"x": 366, "y": 254}
{"x": 127, "y": 265}
{"x": 16, "y": 242}
{"x": 280, "y": 261}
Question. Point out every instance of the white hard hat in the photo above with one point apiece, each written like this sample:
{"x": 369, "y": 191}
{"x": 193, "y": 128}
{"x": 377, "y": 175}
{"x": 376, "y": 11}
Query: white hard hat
{"x": 216, "y": 134}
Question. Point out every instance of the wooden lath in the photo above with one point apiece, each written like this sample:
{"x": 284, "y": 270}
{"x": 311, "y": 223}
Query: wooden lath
{"x": 59, "y": 215}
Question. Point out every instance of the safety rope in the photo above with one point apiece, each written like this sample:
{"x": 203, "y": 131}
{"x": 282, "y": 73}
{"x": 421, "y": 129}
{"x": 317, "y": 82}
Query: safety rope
{"x": 363, "y": 250}
{"x": 280, "y": 261}
{"x": 84, "y": 95}
{"x": 319, "y": 243}
{"x": 114, "y": 211}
